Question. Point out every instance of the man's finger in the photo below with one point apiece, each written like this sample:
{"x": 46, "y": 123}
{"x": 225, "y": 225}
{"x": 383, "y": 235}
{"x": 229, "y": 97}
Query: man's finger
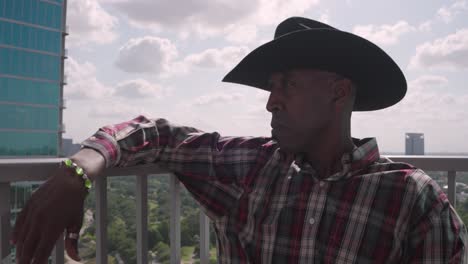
{"x": 29, "y": 244}
{"x": 44, "y": 249}
{"x": 71, "y": 239}
{"x": 22, "y": 235}
{"x": 71, "y": 246}
{"x": 73, "y": 234}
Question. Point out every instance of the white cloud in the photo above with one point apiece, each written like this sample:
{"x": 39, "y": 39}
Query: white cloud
{"x": 426, "y": 26}
{"x": 425, "y": 102}
{"x": 147, "y": 55}
{"x": 445, "y": 14}
{"x": 273, "y": 11}
{"x": 427, "y": 108}
{"x": 117, "y": 110}
{"x": 159, "y": 56}
{"x": 82, "y": 82}
{"x": 426, "y": 81}
{"x": 325, "y": 17}
{"x": 450, "y": 52}
{"x": 179, "y": 13}
{"x": 384, "y": 34}
{"x": 89, "y": 22}
{"x": 210, "y": 17}
{"x": 212, "y": 58}
{"x": 448, "y": 14}
{"x": 217, "y": 98}
{"x": 236, "y": 33}
{"x": 139, "y": 89}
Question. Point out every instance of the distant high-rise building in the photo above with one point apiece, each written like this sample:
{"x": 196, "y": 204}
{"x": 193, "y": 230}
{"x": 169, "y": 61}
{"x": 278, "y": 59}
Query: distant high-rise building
{"x": 32, "y": 53}
{"x": 414, "y": 144}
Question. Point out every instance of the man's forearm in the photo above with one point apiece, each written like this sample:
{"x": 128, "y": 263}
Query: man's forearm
{"x": 92, "y": 162}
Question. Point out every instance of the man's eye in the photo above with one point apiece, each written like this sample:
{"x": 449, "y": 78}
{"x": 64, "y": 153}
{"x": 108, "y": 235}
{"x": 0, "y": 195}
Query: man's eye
{"x": 290, "y": 83}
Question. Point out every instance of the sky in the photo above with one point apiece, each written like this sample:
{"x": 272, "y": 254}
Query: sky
{"x": 166, "y": 59}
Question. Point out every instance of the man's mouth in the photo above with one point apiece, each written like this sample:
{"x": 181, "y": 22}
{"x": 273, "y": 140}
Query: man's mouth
{"x": 275, "y": 124}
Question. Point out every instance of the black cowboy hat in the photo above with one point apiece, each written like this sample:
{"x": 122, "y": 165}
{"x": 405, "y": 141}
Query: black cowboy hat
{"x": 305, "y": 43}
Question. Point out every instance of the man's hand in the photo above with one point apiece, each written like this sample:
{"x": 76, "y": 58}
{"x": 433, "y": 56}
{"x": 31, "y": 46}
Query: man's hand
{"x": 55, "y": 207}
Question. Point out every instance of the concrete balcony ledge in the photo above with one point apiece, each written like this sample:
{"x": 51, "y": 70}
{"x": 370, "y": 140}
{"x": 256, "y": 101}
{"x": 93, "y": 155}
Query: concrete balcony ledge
{"x": 17, "y": 170}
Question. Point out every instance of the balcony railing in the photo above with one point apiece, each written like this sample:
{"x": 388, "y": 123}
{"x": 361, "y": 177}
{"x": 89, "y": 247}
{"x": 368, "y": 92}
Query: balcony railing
{"x": 17, "y": 170}
{"x": 63, "y": 103}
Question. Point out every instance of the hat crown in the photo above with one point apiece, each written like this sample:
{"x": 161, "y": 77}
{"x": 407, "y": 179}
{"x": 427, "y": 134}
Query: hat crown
{"x": 294, "y": 24}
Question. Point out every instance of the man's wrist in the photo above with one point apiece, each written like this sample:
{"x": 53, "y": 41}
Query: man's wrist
{"x": 91, "y": 161}
{"x": 78, "y": 171}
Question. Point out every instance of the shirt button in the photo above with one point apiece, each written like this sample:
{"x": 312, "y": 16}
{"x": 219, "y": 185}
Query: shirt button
{"x": 311, "y": 221}
{"x": 289, "y": 177}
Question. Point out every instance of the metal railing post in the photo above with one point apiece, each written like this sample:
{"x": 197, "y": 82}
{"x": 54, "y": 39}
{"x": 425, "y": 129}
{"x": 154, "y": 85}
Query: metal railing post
{"x": 142, "y": 218}
{"x": 4, "y": 220}
{"x": 452, "y": 187}
{"x": 175, "y": 219}
{"x": 58, "y": 256}
{"x": 204, "y": 238}
{"x": 101, "y": 219}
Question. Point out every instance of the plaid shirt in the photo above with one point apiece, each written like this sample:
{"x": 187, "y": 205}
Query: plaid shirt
{"x": 268, "y": 207}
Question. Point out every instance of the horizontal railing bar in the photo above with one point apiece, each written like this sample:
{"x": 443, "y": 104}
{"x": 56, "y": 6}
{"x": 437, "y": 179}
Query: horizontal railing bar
{"x": 434, "y": 163}
{"x": 13, "y": 170}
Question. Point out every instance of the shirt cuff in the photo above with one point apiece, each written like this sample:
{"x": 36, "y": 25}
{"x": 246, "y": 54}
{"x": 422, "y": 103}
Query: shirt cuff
{"x": 106, "y": 145}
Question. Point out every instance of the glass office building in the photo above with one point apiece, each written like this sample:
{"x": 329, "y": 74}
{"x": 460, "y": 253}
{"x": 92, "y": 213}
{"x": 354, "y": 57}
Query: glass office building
{"x": 32, "y": 34}
{"x": 32, "y": 53}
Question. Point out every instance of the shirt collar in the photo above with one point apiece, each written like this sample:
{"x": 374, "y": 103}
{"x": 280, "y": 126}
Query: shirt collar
{"x": 365, "y": 153}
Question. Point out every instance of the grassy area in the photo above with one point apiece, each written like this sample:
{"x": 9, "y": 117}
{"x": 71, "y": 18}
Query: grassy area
{"x": 187, "y": 253}
{"x": 213, "y": 256}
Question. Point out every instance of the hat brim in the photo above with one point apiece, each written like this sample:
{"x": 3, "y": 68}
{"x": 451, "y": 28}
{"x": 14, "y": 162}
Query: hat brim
{"x": 380, "y": 82}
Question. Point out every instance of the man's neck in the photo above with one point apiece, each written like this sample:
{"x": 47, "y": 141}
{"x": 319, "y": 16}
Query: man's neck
{"x": 325, "y": 156}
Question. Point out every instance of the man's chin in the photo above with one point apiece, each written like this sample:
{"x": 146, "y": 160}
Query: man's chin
{"x": 284, "y": 147}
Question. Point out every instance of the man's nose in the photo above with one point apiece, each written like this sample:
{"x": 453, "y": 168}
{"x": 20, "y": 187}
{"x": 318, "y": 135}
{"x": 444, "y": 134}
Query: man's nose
{"x": 274, "y": 103}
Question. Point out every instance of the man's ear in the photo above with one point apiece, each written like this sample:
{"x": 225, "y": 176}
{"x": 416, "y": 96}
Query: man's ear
{"x": 343, "y": 91}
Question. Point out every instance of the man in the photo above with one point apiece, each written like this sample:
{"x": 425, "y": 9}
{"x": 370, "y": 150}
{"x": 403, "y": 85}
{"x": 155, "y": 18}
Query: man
{"x": 309, "y": 194}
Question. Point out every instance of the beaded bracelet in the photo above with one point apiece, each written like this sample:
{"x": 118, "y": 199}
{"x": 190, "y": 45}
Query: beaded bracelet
{"x": 79, "y": 171}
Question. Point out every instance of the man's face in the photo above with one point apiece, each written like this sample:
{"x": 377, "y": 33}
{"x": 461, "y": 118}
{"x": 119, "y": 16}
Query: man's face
{"x": 301, "y": 104}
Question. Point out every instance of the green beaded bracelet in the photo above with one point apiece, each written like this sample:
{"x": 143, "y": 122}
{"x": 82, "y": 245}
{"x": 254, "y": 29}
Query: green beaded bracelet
{"x": 79, "y": 171}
